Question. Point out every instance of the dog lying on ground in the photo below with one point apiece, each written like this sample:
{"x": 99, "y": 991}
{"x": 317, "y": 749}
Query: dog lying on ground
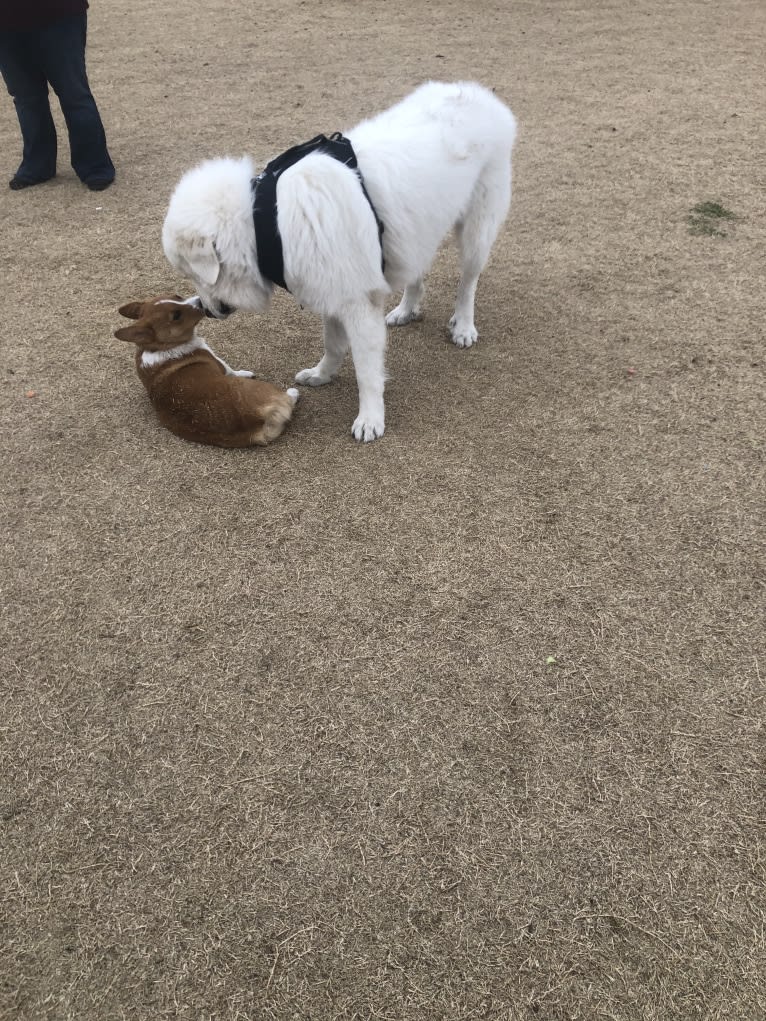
{"x": 353, "y": 219}
{"x": 195, "y": 393}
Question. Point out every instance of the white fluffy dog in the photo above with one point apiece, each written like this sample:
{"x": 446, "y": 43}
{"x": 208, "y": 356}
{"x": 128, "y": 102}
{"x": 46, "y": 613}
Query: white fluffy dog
{"x": 438, "y": 160}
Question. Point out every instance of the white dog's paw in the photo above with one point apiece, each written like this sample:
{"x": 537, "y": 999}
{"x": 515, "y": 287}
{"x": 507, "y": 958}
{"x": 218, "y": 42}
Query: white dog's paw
{"x": 401, "y": 316}
{"x": 243, "y": 373}
{"x": 293, "y": 394}
{"x": 368, "y": 427}
{"x": 311, "y": 377}
{"x": 463, "y": 335}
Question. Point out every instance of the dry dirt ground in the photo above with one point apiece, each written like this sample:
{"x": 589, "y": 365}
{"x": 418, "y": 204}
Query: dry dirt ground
{"x": 466, "y": 723}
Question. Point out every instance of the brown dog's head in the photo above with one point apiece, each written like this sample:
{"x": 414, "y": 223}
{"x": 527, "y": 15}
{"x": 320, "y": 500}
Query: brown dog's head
{"x": 161, "y": 323}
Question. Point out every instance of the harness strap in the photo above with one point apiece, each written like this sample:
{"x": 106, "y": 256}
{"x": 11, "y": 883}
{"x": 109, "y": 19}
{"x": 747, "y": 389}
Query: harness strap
{"x": 268, "y": 243}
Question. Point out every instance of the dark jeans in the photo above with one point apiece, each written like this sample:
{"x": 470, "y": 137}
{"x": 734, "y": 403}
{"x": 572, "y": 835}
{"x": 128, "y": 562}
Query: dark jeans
{"x": 54, "y": 54}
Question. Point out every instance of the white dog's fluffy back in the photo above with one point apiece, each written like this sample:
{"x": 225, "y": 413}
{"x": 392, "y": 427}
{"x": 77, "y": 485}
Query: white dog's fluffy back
{"x": 421, "y": 161}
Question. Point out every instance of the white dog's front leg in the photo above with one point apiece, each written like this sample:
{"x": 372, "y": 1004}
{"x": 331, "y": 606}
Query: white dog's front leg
{"x": 335, "y": 347}
{"x": 461, "y": 326}
{"x": 366, "y": 327}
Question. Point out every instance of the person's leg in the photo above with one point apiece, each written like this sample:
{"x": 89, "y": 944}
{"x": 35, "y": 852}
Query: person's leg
{"x": 63, "y": 49}
{"x": 19, "y": 64}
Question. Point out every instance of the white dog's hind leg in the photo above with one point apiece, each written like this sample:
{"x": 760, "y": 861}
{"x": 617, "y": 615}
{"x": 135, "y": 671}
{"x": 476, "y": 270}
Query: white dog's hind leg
{"x": 366, "y": 327}
{"x": 408, "y": 309}
{"x": 476, "y": 234}
{"x": 335, "y": 347}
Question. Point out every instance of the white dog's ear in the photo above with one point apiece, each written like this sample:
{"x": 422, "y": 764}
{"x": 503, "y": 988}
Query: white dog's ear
{"x": 201, "y": 257}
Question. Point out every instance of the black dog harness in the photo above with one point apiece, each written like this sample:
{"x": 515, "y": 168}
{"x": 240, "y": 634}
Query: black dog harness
{"x": 268, "y": 243}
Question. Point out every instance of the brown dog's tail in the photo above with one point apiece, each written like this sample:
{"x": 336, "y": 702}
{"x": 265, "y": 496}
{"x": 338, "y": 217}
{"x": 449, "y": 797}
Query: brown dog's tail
{"x": 276, "y": 415}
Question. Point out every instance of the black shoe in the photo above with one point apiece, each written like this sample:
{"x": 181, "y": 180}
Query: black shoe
{"x": 17, "y": 183}
{"x": 99, "y": 185}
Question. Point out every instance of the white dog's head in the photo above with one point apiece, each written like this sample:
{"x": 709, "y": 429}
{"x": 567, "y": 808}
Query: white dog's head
{"x": 208, "y": 236}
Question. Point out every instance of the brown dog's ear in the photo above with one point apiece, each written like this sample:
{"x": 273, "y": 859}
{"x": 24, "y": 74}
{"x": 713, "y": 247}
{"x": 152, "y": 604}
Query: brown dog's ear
{"x": 135, "y": 334}
{"x": 131, "y": 311}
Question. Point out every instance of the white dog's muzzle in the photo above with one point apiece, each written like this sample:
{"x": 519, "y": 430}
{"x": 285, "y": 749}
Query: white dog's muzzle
{"x": 214, "y": 309}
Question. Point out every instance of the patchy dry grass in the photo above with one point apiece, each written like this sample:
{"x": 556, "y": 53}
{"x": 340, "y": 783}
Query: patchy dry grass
{"x": 281, "y": 736}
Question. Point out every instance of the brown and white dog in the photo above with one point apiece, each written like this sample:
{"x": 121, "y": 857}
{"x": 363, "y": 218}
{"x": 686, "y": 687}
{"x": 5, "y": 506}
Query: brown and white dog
{"x": 195, "y": 393}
